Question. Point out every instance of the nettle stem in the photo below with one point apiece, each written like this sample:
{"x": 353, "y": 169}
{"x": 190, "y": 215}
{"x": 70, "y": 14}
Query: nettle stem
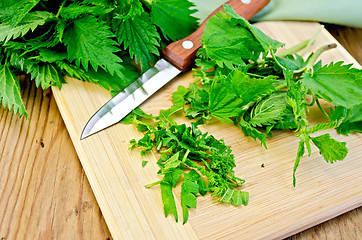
{"x": 60, "y": 9}
{"x": 301, "y": 46}
{"x": 312, "y": 40}
{"x": 321, "y": 108}
{"x": 153, "y": 184}
{"x": 309, "y": 67}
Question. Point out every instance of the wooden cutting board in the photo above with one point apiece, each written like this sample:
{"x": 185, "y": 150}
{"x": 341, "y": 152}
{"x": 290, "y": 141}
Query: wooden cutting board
{"x": 276, "y": 209}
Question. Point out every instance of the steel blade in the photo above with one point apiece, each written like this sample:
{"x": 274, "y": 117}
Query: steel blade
{"x": 131, "y": 97}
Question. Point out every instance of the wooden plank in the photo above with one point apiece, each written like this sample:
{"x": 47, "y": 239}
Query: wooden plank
{"x": 276, "y": 209}
{"x": 44, "y": 194}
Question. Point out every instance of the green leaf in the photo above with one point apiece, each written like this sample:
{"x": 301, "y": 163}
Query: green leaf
{"x": 346, "y": 128}
{"x": 269, "y": 110}
{"x": 336, "y": 83}
{"x": 10, "y": 94}
{"x": 51, "y": 55}
{"x": 287, "y": 121}
{"x": 292, "y": 62}
{"x": 251, "y": 131}
{"x": 30, "y": 22}
{"x": 77, "y": 9}
{"x": 172, "y": 162}
{"x": 227, "y": 43}
{"x": 351, "y": 119}
{"x": 114, "y": 83}
{"x": 173, "y": 176}
{"x": 129, "y": 9}
{"x": 168, "y": 200}
{"x": 174, "y": 18}
{"x": 13, "y": 11}
{"x": 236, "y": 198}
{"x": 300, "y": 153}
{"x": 189, "y": 189}
{"x": 224, "y": 102}
{"x": 88, "y": 40}
{"x": 331, "y": 149}
{"x": 45, "y": 75}
{"x": 265, "y": 41}
{"x": 251, "y": 89}
{"x": 347, "y": 115}
{"x": 178, "y": 98}
{"x": 140, "y": 36}
{"x": 104, "y": 3}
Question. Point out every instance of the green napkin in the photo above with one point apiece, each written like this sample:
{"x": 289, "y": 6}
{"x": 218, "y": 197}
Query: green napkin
{"x": 345, "y": 12}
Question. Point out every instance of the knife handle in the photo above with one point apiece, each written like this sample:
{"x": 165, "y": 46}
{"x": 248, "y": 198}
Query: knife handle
{"x": 182, "y": 52}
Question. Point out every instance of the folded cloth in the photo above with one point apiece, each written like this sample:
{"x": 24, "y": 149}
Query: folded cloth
{"x": 346, "y": 12}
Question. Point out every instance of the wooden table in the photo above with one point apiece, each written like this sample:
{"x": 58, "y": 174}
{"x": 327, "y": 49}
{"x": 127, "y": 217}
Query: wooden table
{"x": 44, "y": 193}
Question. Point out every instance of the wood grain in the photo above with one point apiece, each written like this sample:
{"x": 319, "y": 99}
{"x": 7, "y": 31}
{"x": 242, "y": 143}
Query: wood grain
{"x": 44, "y": 193}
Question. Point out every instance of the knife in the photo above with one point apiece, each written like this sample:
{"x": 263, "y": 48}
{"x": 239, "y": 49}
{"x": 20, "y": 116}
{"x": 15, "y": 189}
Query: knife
{"x": 177, "y": 58}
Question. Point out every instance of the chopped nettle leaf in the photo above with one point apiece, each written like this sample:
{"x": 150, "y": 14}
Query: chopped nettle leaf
{"x": 205, "y": 163}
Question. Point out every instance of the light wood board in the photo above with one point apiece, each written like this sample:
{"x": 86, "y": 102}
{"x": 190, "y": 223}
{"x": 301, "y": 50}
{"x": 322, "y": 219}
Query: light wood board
{"x": 275, "y": 210}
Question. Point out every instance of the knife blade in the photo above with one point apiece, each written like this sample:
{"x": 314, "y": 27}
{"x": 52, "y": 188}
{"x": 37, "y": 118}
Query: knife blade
{"x": 177, "y": 58}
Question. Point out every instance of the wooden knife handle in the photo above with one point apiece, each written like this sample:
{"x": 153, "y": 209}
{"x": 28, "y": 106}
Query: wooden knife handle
{"x": 182, "y": 52}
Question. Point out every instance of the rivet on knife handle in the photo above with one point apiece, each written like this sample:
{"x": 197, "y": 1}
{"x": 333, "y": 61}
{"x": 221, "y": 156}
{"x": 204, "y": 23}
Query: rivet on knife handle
{"x": 182, "y": 57}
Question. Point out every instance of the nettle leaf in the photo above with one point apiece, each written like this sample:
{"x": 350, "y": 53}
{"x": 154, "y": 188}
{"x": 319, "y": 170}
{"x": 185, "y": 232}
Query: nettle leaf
{"x": 88, "y": 40}
{"x": 13, "y": 11}
{"x": 287, "y": 121}
{"x": 336, "y": 83}
{"x": 251, "y": 131}
{"x": 223, "y": 101}
{"x": 45, "y": 75}
{"x": 104, "y": 3}
{"x": 140, "y": 36}
{"x": 51, "y": 55}
{"x": 174, "y": 18}
{"x": 178, "y": 98}
{"x": 265, "y": 41}
{"x": 129, "y": 9}
{"x": 74, "y": 10}
{"x": 30, "y": 22}
{"x": 292, "y": 62}
{"x": 269, "y": 110}
{"x": 114, "y": 83}
{"x": 351, "y": 119}
{"x": 250, "y": 89}
{"x": 331, "y": 149}
{"x": 227, "y": 43}
{"x": 10, "y": 94}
